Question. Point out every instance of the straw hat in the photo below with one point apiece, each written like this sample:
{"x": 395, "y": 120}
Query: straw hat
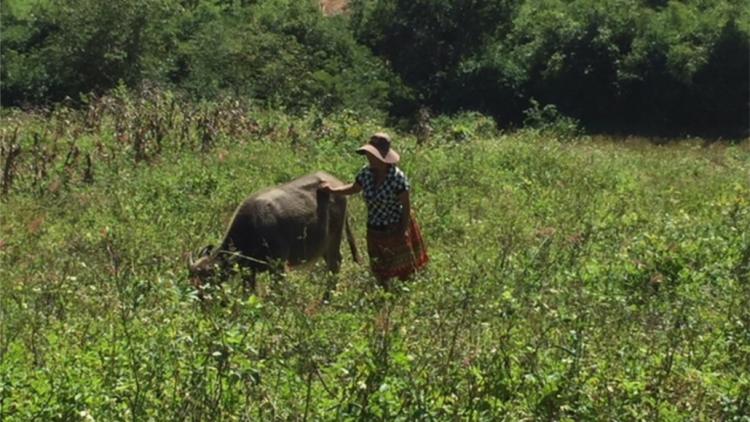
{"x": 380, "y": 147}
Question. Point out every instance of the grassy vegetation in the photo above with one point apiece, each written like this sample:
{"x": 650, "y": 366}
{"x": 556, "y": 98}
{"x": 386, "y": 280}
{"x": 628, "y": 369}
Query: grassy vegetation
{"x": 571, "y": 278}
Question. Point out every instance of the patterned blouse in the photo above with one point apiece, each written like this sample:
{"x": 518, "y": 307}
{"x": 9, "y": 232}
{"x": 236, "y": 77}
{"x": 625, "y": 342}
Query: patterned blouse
{"x": 383, "y": 205}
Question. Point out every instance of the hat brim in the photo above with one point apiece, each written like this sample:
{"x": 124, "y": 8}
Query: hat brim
{"x": 391, "y": 157}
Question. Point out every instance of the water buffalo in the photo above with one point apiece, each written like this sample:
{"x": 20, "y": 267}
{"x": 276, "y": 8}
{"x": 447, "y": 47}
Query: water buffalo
{"x": 287, "y": 226}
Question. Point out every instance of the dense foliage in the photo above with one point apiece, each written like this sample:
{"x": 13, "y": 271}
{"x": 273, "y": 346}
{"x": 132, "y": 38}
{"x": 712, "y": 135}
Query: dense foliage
{"x": 615, "y": 65}
{"x": 283, "y": 54}
{"x": 631, "y": 66}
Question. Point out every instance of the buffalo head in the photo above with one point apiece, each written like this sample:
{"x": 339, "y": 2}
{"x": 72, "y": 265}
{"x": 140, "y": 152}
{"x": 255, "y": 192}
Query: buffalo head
{"x": 204, "y": 268}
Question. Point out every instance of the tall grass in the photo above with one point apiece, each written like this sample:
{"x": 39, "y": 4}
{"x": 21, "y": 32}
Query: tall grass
{"x": 577, "y": 280}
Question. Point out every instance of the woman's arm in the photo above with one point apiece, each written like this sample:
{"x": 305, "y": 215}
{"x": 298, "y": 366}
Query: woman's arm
{"x": 349, "y": 189}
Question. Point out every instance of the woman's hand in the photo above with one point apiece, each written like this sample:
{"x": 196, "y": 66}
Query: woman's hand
{"x": 352, "y": 188}
{"x": 324, "y": 186}
{"x": 405, "y": 213}
{"x": 406, "y": 234}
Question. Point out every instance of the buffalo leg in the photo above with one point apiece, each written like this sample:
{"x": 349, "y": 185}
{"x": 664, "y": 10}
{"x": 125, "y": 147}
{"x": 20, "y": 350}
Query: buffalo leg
{"x": 277, "y": 259}
{"x": 333, "y": 259}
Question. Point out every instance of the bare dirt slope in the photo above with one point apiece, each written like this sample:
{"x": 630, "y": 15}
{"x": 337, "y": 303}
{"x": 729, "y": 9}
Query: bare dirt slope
{"x": 332, "y": 7}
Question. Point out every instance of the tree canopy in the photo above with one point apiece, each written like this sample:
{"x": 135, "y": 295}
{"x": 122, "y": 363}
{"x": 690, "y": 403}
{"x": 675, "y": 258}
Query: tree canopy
{"x": 626, "y": 66}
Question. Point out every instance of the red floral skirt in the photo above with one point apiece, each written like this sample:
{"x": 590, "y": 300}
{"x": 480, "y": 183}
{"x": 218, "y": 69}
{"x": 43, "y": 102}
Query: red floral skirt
{"x": 392, "y": 254}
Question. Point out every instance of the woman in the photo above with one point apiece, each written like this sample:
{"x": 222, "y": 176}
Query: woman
{"x": 394, "y": 240}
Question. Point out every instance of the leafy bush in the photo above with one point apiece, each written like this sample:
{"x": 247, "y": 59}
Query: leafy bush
{"x": 72, "y": 47}
{"x": 428, "y": 44}
{"x": 463, "y": 127}
{"x": 548, "y": 121}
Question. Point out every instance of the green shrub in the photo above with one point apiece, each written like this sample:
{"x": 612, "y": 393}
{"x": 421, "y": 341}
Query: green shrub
{"x": 548, "y": 121}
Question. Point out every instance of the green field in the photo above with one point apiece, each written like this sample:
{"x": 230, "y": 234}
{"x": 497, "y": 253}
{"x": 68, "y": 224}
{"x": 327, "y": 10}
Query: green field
{"x": 571, "y": 278}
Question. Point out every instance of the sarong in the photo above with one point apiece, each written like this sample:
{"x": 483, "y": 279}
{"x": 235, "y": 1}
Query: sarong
{"x": 394, "y": 255}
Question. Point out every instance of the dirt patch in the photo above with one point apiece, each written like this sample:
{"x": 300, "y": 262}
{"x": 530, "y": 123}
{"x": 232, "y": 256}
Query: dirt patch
{"x": 332, "y": 7}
